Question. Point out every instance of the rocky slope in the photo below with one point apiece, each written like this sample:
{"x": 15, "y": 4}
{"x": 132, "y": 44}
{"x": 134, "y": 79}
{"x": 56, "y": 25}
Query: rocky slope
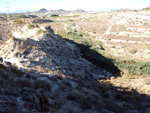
{"x": 31, "y": 92}
{"x": 47, "y": 54}
{"x": 45, "y": 73}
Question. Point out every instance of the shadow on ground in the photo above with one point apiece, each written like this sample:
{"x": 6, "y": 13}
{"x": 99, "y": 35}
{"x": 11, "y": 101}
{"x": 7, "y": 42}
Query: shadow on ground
{"x": 97, "y": 59}
{"x": 38, "y": 95}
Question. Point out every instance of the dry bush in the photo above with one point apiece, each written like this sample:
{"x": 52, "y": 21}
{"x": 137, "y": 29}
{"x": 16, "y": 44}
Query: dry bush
{"x": 40, "y": 31}
{"x": 31, "y": 26}
{"x": 22, "y": 82}
{"x": 133, "y": 51}
{"x": 33, "y": 48}
{"x": 39, "y": 68}
{"x": 42, "y": 83}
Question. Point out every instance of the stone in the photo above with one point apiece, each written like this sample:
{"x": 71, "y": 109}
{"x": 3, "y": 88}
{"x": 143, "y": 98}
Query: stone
{"x": 106, "y": 111}
{"x": 147, "y": 110}
{"x": 89, "y": 111}
{"x": 132, "y": 111}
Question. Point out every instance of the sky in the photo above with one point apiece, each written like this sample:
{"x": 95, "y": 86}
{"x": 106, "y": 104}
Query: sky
{"x": 72, "y": 4}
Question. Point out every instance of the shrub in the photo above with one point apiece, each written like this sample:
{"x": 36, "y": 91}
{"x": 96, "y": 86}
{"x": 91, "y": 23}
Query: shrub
{"x": 31, "y": 26}
{"x": 133, "y": 51}
{"x": 22, "y": 82}
{"x": 113, "y": 47}
{"x": 33, "y": 48}
{"x": 19, "y": 22}
{"x": 42, "y": 83}
{"x": 40, "y": 31}
{"x": 54, "y": 15}
{"x": 13, "y": 38}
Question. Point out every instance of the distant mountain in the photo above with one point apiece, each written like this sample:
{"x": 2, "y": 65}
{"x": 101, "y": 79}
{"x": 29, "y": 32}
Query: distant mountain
{"x": 43, "y": 10}
{"x": 60, "y": 11}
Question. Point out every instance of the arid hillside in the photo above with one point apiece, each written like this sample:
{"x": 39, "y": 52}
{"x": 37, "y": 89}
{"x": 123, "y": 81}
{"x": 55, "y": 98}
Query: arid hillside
{"x": 125, "y": 33}
{"x": 46, "y": 73}
{"x": 87, "y": 63}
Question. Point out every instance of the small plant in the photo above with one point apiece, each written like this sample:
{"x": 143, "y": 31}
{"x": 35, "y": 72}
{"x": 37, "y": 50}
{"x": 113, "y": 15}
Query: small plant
{"x": 19, "y": 22}
{"x": 70, "y": 20}
{"x": 40, "y": 31}
{"x": 31, "y": 26}
{"x": 133, "y": 51}
{"x": 54, "y": 15}
{"x": 13, "y": 38}
{"x": 33, "y": 48}
{"x": 113, "y": 47}
{"x": 42, "y": 83}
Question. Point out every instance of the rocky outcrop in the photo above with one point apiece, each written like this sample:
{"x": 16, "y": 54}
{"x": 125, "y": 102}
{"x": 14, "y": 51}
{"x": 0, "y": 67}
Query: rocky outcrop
{"x": 50, "y": 54}
{"x": 31, "y": 20}
{"x": 2, "y": 18}
{"x": 32, "y": 92}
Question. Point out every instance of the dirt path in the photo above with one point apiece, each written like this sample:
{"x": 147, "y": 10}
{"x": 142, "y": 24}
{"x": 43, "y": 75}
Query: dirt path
{"x": 108, "y": 30}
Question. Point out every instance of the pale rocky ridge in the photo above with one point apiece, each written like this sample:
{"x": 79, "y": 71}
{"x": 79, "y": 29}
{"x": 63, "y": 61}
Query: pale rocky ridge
{"x": 53, "y": 78}
{"x": 33, "y": 93}
{"x": 48, "y": 52}
{"x": 60, "y": 11}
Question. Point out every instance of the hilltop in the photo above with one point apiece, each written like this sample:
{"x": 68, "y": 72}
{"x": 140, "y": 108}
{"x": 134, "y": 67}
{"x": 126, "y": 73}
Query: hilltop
{"x": 59, "y": 11}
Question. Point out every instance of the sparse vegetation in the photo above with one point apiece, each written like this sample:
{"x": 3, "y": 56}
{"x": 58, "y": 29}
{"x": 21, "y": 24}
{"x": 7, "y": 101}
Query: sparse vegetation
{"x": 31, "y": 26}
{"x": 54, "y": 15}
{"x": 133, "y": 51}
{"x": 40, "y": 31}
{"x": 19, "y": 22}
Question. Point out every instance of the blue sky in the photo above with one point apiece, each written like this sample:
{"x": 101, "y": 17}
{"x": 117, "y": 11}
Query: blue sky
{"x": 72, "y": 4}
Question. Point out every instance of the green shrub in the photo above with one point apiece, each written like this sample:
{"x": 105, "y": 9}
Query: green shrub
{"x": 40, "y": 31}
{"x": 19, "y": 22}
{"x": 133, "y": 51}
{"x": 31, "y": 26}
{"x": 113, "y": 47}
{"x": 54, "y": 15}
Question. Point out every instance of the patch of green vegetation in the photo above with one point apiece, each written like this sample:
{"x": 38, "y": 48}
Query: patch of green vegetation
{"x": 92, "y": 50}
{"x": 134, "y": 67}
{"x": 133, "y": 51}
{"x": 97, "y": 53}
{"x": 71, "y": 16}
{"x": 31, "y": 26}
{"x": 54, "y": 15}
{"x": 62, "y": 33}
{"x": 40, "y": 31}
{"x": 19, "y": 22}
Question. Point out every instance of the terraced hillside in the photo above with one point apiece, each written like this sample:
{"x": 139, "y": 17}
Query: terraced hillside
{"x": 121, "y": 31}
